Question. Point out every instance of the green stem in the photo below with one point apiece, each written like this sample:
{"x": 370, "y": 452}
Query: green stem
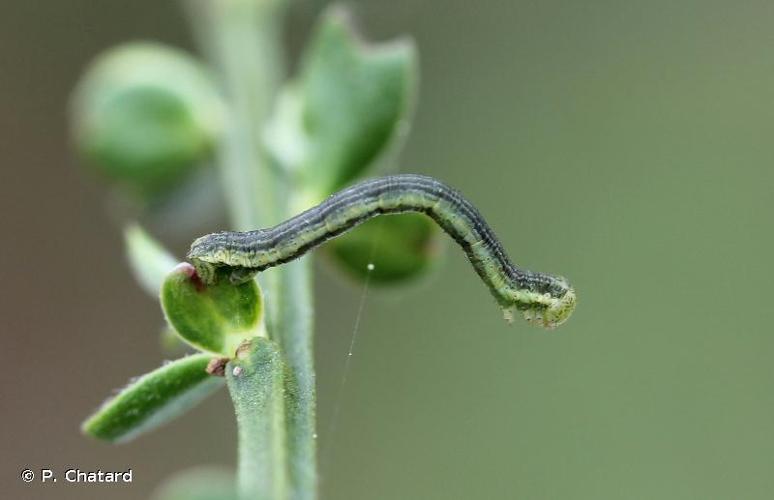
{"x": 294, "y": 334}
{"x": 255, "y": 382}
{"x": 242, "y": 40}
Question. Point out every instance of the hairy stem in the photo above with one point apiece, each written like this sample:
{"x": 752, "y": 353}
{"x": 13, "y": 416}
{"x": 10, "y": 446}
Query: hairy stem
{"x": 241, "y": 38}
{"x": 255, "y": 382}
{"x": 293, "y": 331}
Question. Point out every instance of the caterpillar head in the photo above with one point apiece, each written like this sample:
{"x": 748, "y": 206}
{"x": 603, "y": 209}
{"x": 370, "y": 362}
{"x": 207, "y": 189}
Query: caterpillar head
{"x": 205, "y": 270}
{"x": 208, "y": 248}
{"x": 213, "y": 259}
{"x": 208, "y": 255}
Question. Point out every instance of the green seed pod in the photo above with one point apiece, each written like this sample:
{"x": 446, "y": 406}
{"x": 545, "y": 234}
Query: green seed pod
{"x": 215, "y": 318}
{"x": 144, "y": 114}
{"x": 391, "y": 250}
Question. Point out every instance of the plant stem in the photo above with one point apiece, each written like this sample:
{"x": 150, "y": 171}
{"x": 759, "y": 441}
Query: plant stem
{"x": 242, "y": 40}
{"x": 255, "y": 382}
{"x": 293, "y": 331}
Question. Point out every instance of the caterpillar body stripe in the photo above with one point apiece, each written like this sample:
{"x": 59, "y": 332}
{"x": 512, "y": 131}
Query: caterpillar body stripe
{"x": 543, "y": 299}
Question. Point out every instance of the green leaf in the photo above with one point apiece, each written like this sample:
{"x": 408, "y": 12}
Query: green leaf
{"x": 354, "y": 100}
{"x": 153, "y": 399}
{"x": 400, "y": 247}
{"x": 214, "y": 318}
{"x": 256, "y": 382}
{"x": 199, "y": 483}
{"x": 150, "y": 262}
{"x": 144, "y": 114}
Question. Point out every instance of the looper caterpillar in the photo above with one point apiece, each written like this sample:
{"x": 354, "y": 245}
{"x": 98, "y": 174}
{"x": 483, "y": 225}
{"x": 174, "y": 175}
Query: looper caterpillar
{"x": 543, "y": 299}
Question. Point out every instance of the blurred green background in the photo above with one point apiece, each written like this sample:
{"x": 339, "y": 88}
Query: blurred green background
{"x": 625, "y": 144}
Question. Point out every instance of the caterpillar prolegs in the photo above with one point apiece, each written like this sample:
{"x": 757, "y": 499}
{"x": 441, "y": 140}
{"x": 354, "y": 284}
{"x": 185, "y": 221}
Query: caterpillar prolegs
{"x": 543, "y": 299}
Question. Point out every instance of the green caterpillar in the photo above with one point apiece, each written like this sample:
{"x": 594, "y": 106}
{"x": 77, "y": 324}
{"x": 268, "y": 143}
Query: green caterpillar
{"x": 544, "y": 300}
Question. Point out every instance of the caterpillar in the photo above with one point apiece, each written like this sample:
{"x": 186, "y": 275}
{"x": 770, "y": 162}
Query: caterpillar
{"x": 543, "y": 299}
